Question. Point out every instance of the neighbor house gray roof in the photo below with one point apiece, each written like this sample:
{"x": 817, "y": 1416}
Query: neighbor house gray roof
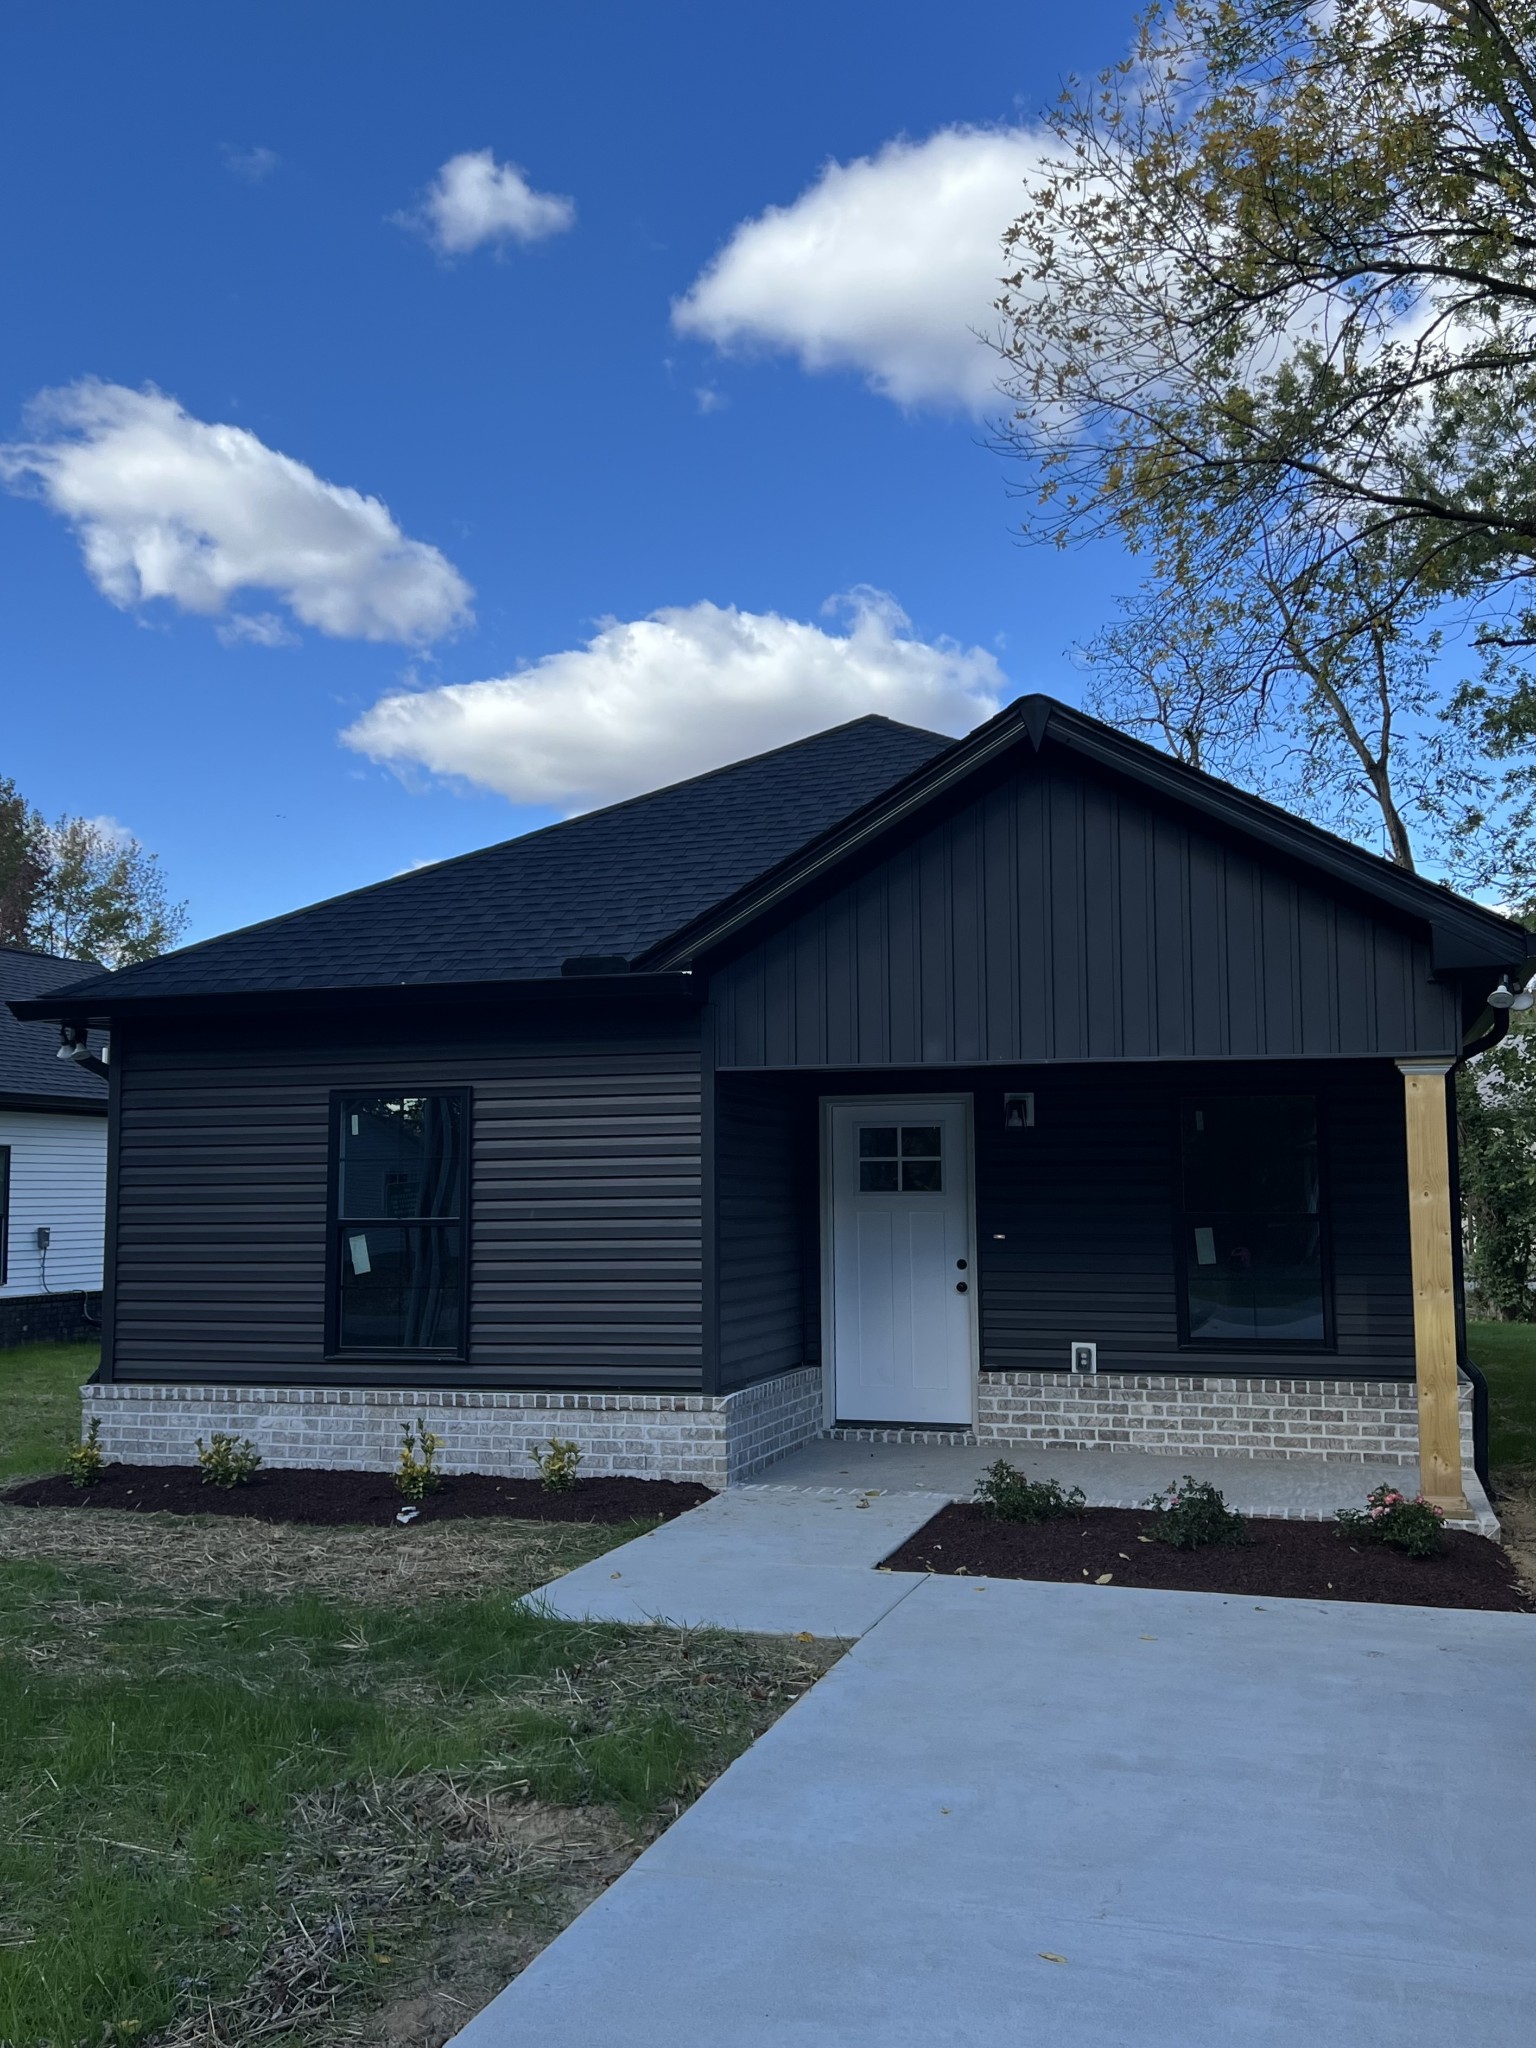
{"x": 31, "y": 1074}
{"x": 612, "y": 882}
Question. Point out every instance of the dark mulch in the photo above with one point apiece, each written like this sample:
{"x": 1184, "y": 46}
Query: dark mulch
{"x": 330, "y": 1499}
{"x": 1285, "y": 1560}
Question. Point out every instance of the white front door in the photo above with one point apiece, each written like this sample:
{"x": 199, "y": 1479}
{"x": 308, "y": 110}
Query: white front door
{"x": 902, "y": 1266}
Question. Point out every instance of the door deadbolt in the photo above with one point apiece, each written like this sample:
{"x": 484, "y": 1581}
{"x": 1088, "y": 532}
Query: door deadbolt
{"x": 960, "y": 1265}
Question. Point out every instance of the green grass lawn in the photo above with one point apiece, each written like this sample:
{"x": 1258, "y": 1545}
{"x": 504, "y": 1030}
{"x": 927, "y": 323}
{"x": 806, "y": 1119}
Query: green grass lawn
{"x": 40, "y": 1405}
{"x": 1507, "y": 1354}
{"x": 277, "y": 1771}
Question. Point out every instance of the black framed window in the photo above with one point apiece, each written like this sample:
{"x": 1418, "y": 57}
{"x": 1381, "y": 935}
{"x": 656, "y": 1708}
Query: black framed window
{"x": 399, "y": 1171}
{"x": 1252, "y": 1221}
{"x": 5, "y": 1214}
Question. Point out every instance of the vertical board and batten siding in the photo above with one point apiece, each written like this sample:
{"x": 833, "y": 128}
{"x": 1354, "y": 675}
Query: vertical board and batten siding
{"x": 58, "y": 1179}
{"x": 585, "y": 1203}
{"x": 1060, "y": 916}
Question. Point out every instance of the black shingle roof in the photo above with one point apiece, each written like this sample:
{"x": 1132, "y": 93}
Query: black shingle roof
{"x": 612, "y": 882}
{"x": 29, "y": 1066}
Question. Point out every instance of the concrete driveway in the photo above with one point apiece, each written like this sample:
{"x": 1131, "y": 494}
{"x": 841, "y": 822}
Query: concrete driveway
{"x": 1085, "y": 1816}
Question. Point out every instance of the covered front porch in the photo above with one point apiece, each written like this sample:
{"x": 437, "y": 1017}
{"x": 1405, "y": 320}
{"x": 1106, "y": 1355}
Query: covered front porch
{"x": 1092, "y": 1265}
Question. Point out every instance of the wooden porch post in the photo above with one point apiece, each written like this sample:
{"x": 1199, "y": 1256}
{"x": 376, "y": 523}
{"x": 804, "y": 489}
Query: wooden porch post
{"x": 1430, "y": 1224}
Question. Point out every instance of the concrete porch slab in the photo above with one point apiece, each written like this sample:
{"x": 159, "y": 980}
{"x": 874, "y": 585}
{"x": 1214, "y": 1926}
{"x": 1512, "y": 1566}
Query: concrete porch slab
{"x": 771, "y": 1560}
{"x": 1086, "y": 1818}
{"x": 1295, "y": 1489}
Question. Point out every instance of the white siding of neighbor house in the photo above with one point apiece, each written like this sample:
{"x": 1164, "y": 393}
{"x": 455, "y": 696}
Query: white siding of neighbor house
{"x": 58, "y": 1177}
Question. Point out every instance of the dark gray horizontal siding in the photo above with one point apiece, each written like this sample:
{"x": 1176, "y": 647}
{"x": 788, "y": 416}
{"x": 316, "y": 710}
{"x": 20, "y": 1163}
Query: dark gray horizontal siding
{"x": 765, "y": 1185}
{"x": 585, "y": 1205}
{"x": 1061, "y": 917}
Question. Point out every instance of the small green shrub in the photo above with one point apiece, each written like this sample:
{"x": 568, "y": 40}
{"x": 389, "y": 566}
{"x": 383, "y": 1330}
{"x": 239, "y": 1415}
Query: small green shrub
{"x": 1192, "y": 1513}
{"x": 556, "y": 1464}
{"x": 86, "y": 1460}
{"x": 417, "y": 1474}
{"x": 227, "y": 1460}
{"x": 1006, "y": 1494}
{"x": 1391, "y": 1517}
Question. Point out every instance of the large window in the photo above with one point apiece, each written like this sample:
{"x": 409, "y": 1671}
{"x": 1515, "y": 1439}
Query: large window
{"x": 1252, "y": 1220}
{"x": 399, "y": 1226}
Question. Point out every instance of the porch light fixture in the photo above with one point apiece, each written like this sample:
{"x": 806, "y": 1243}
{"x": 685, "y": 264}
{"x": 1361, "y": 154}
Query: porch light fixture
{"x": 1018, "y": 1112}
{"x": 1506, "y": 998}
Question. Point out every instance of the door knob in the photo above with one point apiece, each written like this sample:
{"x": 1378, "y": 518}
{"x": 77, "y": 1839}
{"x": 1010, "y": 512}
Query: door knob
{"x": 960, "y": 1287}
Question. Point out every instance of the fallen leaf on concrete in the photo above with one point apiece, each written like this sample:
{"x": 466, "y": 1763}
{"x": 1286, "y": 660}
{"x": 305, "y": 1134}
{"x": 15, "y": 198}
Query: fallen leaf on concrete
{"x": 1149, "y": 1639}
{"x": 1046, "y": 1956}
{"x": 615, "y": 1575}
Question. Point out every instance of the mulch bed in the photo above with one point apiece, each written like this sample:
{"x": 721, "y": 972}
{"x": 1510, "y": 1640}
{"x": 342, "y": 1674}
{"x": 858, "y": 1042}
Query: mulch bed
{"x": 1285, "y": 1560}
{"x": 332, "y": 1499}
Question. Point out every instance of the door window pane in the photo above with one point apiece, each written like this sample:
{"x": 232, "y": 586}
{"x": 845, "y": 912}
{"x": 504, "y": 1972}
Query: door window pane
{"x": 1253, "y": 1262}
{"x": 905, "y": 1159}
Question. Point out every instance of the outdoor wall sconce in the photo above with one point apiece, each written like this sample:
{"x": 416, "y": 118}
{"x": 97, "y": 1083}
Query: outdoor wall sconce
{"x": 1018, "y": 1112}
{"x": 1506, "y": 998}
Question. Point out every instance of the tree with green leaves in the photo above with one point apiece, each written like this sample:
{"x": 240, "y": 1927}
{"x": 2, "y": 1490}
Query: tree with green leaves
{"x": 21, "y": 864}
{"x": 1496, "y": 1122}
{"x": 1269, "y": 318}
{"x": 103, "y": 896}
{"x": 82, "y": 888}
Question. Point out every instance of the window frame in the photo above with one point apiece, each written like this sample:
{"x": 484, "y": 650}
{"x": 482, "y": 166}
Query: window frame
{"x": 5, "y": 1214}
{"x": 1303, "y": 1347}
{"x": 353, "y": 1354}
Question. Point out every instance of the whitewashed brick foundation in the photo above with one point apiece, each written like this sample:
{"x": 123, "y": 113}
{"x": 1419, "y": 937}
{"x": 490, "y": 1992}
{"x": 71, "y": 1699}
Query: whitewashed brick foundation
{"x": 711, "y": 1439}
{"x": 1362, "y": 1421}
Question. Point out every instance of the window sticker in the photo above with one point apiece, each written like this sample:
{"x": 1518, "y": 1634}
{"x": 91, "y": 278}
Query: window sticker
{"x": 1205, "y": 1246}
{"x": 358, "y": 1247}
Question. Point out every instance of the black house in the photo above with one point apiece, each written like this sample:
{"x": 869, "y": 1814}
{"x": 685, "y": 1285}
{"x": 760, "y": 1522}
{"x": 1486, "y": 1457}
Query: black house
{"x": 1032, "y": 1085}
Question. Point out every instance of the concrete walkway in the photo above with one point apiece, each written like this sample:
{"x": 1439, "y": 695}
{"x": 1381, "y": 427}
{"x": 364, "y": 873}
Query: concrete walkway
{"x": 1090, "y": 1817}
{"x": 769, "y": 1560}
{"x": 1307, "y": 1489}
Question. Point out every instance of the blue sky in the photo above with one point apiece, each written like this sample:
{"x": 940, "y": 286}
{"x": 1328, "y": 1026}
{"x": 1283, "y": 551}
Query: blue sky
{"x": 233, "y": 208}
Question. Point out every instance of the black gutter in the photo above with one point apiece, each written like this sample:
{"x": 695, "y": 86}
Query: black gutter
{"x": 100, "y": 1005}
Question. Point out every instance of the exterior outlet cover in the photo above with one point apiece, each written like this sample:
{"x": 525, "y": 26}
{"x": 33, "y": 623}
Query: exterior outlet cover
{"x": 1085, "y": 1357}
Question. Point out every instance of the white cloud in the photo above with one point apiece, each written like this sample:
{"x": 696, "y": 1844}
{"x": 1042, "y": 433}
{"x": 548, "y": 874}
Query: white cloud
{"x": 888, "y": 265}
{"x": 649, "y": 701}
{"x": 254, "y": 165}
{"x": 474, "y": 200}
{"x": 167, "y": 506}
{"x": 255, "y": 629}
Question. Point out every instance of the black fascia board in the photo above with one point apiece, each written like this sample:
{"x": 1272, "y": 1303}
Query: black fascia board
{"x": 51, "y": 1105}
{"x": 99, "y": 1007}
{"x": 1464, "y": 936}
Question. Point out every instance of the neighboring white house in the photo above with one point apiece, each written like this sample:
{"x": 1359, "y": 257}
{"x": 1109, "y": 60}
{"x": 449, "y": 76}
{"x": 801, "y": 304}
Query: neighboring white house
{"x": 53, "y": 1167}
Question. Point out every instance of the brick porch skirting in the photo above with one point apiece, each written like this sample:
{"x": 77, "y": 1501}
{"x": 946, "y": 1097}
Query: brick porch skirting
{"x": 712, "y": 1439}
{"x": 1364, "y": 1421}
